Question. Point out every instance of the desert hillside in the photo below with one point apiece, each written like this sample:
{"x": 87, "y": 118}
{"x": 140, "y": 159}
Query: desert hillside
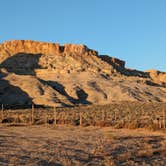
{"x": 54, "y": 75}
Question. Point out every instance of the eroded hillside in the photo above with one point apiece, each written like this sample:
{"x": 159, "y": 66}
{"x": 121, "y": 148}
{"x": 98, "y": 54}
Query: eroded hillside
{"x": 51, "y": 74}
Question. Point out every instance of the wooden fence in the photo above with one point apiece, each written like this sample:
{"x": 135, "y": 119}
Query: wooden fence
{"x": 122, "y": 115}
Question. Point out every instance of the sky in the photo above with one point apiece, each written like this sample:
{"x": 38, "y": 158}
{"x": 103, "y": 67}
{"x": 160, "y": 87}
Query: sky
{"x": 131, "y": 30}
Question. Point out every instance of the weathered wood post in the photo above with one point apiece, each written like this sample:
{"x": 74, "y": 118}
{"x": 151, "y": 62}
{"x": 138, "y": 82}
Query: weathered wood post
{"x": 160, "y": 123}
{"x": 62, "y": 117}
{"x": 164, "y": 125}
{"x": 32, "y": 114}
{"x": 103, "y": 115}
{"x": 55, "y": 116}
{"x": 81, "y": 119}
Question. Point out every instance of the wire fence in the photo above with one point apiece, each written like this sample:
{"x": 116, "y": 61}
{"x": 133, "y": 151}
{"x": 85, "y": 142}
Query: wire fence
{"x": 119, "y": 115}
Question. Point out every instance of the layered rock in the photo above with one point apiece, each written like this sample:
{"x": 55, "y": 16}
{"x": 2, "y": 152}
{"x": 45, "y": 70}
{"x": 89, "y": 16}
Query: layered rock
{"x": 39, "y": 55}
{"x": 113, "y": 61}
{"x": 55, "y": 75}
{"x": 13, "y": 47}
{"x": 157, "y": 76}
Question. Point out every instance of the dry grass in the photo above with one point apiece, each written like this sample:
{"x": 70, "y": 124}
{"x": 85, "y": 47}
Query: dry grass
{"x": 131, "y": 140}
{"x": 69, "y": 145}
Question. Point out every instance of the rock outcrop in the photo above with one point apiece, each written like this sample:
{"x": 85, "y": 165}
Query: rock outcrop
{"x": 52, "y": 74}
{"x": 157, "y": 76}
{"x": 40, "y": 55}
{"x": 113, "y": 61}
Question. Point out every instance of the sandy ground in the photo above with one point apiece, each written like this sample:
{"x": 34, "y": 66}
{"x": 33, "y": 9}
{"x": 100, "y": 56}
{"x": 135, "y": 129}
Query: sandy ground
{"x": 68, "y": 145}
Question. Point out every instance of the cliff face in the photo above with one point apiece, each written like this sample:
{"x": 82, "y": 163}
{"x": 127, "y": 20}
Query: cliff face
{"x": 39, "y": 55}
{"x": 51, "y": 74}
{"x": 34, "y": 47}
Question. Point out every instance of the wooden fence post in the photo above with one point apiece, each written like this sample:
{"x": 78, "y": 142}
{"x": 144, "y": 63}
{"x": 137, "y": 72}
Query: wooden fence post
{"x": 164, "y": 125}
{"x": 46, "y": 118}
{"x": 81, "y": 119}
{"x": 160, "y": 123}
{"x": 103, "y": 115}
{"x": 32, "y": 114}
{"x": 55, "y": 116}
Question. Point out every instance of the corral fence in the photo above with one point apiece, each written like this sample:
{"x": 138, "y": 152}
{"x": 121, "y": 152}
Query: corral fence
{"x": 119, "y": 115}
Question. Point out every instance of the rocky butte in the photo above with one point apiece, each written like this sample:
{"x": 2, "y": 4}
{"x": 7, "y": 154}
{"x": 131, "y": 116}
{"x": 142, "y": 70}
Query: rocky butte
{"x": 54, "y": 75}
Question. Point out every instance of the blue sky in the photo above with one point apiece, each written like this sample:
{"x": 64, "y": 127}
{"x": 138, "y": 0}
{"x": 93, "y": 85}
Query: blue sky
{"x": 132, "y": 30}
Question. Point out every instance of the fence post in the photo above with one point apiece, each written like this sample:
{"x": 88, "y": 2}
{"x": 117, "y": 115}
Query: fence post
{"x": 45, "y": 119}
{"x": 32, "y": 114}
{"x": 80, "y": 118}
{"x": 62, "y": 113}
{"x": 160, "y": 123}
{"x": 103, "y": 115}
{"x": 55, "y": 116}
{"x": 164, "y": 119}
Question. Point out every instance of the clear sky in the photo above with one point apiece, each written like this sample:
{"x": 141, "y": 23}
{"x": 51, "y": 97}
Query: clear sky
{"x": 132, "y": 30}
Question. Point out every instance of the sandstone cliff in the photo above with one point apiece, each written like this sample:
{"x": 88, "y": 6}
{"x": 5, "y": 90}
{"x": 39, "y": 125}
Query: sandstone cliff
{"x": 51, "y": 74}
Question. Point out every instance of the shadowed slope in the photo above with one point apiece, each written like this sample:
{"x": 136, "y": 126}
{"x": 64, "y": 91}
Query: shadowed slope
{"x": 22, "y": 63}
{"x": 13, "y": 95}
{"x": 55, "y": 75}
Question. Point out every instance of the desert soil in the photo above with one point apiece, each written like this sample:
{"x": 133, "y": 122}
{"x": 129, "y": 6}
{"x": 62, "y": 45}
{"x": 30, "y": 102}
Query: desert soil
{"x": 69, "y": 145}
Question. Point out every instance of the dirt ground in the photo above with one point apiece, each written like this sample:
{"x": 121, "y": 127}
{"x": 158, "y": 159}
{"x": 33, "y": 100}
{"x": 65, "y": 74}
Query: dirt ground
{"x": 68, "y": 145}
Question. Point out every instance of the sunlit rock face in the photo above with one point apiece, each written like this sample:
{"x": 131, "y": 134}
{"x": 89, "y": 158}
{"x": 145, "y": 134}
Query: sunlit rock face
{"x": 65, "y": 75}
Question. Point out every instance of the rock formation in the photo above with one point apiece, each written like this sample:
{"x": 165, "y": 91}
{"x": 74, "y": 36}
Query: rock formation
{"x": 55, "y": 75}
